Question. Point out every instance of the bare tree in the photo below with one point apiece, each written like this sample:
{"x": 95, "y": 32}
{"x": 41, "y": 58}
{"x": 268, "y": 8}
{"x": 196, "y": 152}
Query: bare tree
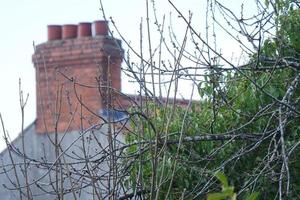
{"x": 198, "y": 112}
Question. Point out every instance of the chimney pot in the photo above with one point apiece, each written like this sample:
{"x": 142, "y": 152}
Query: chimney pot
{"x": 84, "y": 29}
{"x": 69, "y": 31}
{"x": 101, "y": 27}
{"x": 54, "y": 32}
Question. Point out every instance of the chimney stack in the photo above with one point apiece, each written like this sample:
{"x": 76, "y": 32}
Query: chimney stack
{"x": 73, "y": 69}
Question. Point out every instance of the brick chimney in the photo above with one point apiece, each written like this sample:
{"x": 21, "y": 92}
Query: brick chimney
{"x": 74, "y": 68}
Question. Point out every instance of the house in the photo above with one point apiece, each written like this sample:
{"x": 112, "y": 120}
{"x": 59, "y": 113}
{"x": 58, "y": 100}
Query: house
{"x": 71, "y": 150}
{"x": 67, "y": 152}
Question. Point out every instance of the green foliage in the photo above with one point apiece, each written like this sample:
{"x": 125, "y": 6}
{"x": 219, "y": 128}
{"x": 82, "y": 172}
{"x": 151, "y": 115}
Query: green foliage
{"x": 232, "y": 103}
{"x": 290, "y": 26}
{"x": 227, "y": 191}
{"x": 239, "y": 105}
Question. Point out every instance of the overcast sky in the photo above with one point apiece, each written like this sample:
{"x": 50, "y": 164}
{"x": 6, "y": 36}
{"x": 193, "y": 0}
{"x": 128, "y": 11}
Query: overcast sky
{"x": 25, "y": 21}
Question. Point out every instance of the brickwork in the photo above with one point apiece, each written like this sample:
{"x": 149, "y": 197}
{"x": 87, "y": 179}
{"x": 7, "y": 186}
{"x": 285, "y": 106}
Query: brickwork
{"x": 71, "y": 78}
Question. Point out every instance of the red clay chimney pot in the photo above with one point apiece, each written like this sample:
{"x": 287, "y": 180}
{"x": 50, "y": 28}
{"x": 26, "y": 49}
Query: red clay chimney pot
{"x": 84, "y": 29}
{"x": 54, "y": 32}
{"x": 101, "y": 27}
{"x": 69, "y": 31}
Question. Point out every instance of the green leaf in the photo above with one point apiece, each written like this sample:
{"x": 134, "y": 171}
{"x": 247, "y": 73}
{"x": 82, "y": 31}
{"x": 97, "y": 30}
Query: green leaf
{"x": 217, "y": 196}
{"x": 267, "y": 3}
{"x": 222, "y": 178}
{"x": 253, "y": 196}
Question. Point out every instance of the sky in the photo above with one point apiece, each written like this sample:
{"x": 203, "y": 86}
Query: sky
{"x": 24, "y": 22}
